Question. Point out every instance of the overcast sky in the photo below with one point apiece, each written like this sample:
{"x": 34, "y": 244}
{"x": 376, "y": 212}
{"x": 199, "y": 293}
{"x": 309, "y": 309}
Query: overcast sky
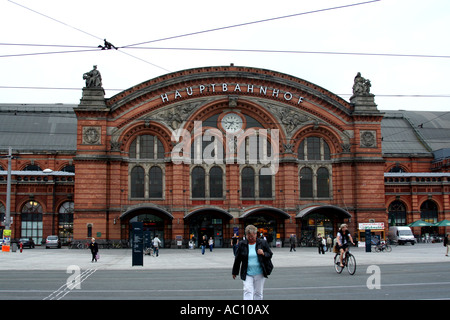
{"x": 379, "y": 34}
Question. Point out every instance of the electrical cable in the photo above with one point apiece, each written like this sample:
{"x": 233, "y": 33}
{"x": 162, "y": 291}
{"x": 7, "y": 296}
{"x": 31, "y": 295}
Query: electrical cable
{"x": 77, "y": 29}
{"x": 249, "y": 23}
{"x": 403, "y": 55}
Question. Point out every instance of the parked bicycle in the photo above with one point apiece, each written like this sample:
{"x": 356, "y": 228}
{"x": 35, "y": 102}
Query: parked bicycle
{"x": 349, "y": 261}
{"x": 383, "y": 246}
{"x": 78, "y": 245}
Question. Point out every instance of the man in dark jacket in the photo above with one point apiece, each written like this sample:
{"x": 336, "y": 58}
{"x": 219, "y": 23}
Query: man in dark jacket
{"x": 94, "y": 249}
{"x": 253, "y": 258}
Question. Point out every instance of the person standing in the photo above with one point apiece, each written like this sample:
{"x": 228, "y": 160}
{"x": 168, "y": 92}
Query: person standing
{"x": 253, "y": 260}
{"x": 320, "y": 244}
{"x": 211, "y": 244}
{"x": 203, "y": 244}
{"x": 234, "y": 243}
{"x": 329, "y": 243}
{"x": 94, "y": 249}
{"x": 156, "y": 245}
{"x": 447, "y": 243}
{"x": 292, "y": 241}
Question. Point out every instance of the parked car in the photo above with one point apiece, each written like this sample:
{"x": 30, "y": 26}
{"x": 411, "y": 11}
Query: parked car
{"x": 52, "y": 242}
{"x": 27, "y": 242}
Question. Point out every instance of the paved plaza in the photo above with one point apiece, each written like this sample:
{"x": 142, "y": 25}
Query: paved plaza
{"x": 121, "y": 259}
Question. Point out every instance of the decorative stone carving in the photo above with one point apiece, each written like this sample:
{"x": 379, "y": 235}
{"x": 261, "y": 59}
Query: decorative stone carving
{"x": 290, "y": 119}
{"x": 368, "y": 139}
{"x": 361, "y": 86}
{"x": 175, "y": 116}
{"x": 91, "y": 135}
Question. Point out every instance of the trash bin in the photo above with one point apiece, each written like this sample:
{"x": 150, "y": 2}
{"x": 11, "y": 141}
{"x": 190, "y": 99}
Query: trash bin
{"x": 14, "y": 247}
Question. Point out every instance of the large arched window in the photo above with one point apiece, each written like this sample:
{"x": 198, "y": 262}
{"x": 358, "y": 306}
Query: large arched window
{"x": 65, "y": 222}
{"x": 198, "y": 182}
{"x": 306, "y": 183}
{"x": 155, "y": 182}
{"x": 429, "y": 211}
{"x": 216, "y": 182}
{"x": 265, "y": 184}
{"x": 397, "y": 213}
{"x": 323, "y": 183}
{"x": 32, "y": 221}
{"x": 248, "y": 182}
{"x": 147, "y": 147}
{"x": 313, "y": 148}
{"x": 137, "y": 182}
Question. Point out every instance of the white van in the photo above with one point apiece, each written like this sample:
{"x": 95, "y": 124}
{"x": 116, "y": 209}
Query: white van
{"x": 401, "y": 235}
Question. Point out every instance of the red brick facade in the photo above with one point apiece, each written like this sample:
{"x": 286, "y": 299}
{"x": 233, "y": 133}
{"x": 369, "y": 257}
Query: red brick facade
{"x": 345, "y": 180}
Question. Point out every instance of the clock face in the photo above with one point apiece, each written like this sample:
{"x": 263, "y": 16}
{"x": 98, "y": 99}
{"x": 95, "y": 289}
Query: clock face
{"x": 232, "y": 122}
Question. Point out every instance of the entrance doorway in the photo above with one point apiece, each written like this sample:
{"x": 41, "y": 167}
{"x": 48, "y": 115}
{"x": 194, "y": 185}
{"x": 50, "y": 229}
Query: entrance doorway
{"x": 269, "y": 221}
{"x": 210, "y": 223}
{"x": 320, "y": 219}
{"x": 313, "y": 225}
{"x": 267, "y": 226}
{"x": 153, "y": 225}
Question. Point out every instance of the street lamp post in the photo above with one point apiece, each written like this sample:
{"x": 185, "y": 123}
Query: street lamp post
{"x": 8, "y": 193}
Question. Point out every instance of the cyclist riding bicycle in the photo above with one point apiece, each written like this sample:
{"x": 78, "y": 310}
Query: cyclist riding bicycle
{"x": 343, "y": 238}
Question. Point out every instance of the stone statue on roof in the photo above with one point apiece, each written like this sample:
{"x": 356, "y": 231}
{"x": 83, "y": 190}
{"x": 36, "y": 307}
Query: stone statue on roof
{"x": 93, "y": 78}
{"x": 361, "y": 86}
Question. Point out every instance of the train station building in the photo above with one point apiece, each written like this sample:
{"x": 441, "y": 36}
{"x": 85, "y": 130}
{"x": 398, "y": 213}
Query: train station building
{"x": 207, "y": 151}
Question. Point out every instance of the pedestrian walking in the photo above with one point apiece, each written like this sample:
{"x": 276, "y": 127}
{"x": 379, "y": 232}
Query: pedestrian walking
{"x": 156, "y": 245}
{"x": 254, "y": 261}
{"x": 447, "y": 243}
{"x": 292, "y": 241}
{"x": 211, "y": 244}
{"x": 329, "y": 243}
{"x": 203, "y": 244}
{"x": 320, "y": 244}
{"x": 94, "y": 250}
{"x": 234, "y": 243}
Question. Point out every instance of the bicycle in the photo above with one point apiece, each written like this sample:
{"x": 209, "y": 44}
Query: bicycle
{"x": 149, "y": 251}
{"x": 383, "y": 247}
{"x": 348, "y": 260}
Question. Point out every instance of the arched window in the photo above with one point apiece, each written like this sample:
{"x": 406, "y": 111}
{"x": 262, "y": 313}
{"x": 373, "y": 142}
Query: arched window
{"x": 65, "y": 222}
{"x": 265, "y": 185}
{"x": 32, "y": 167}
{"x": 137, "y": 182}
{"x": 198, "y": 182}
{"x": 397, "y": 214}
{"x": 248, "y": 182}
{"x": 323, "y": 183}
{"x": 306, "y": 183}
{"x": 429, "y": 211}
{"x": 69, "y": 168}
{"x": 216, "y": 182}
{"x": 156, "y": 182}
{"x": 147, "y": 147}
{"x": 32, "y": 221}
{"x": 313, "y": 149}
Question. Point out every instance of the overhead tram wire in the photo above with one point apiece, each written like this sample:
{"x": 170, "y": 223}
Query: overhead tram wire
{"x": 402, "y": 55}
{"x": 249, "y": 23}
{"x": 79, "y": 30}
